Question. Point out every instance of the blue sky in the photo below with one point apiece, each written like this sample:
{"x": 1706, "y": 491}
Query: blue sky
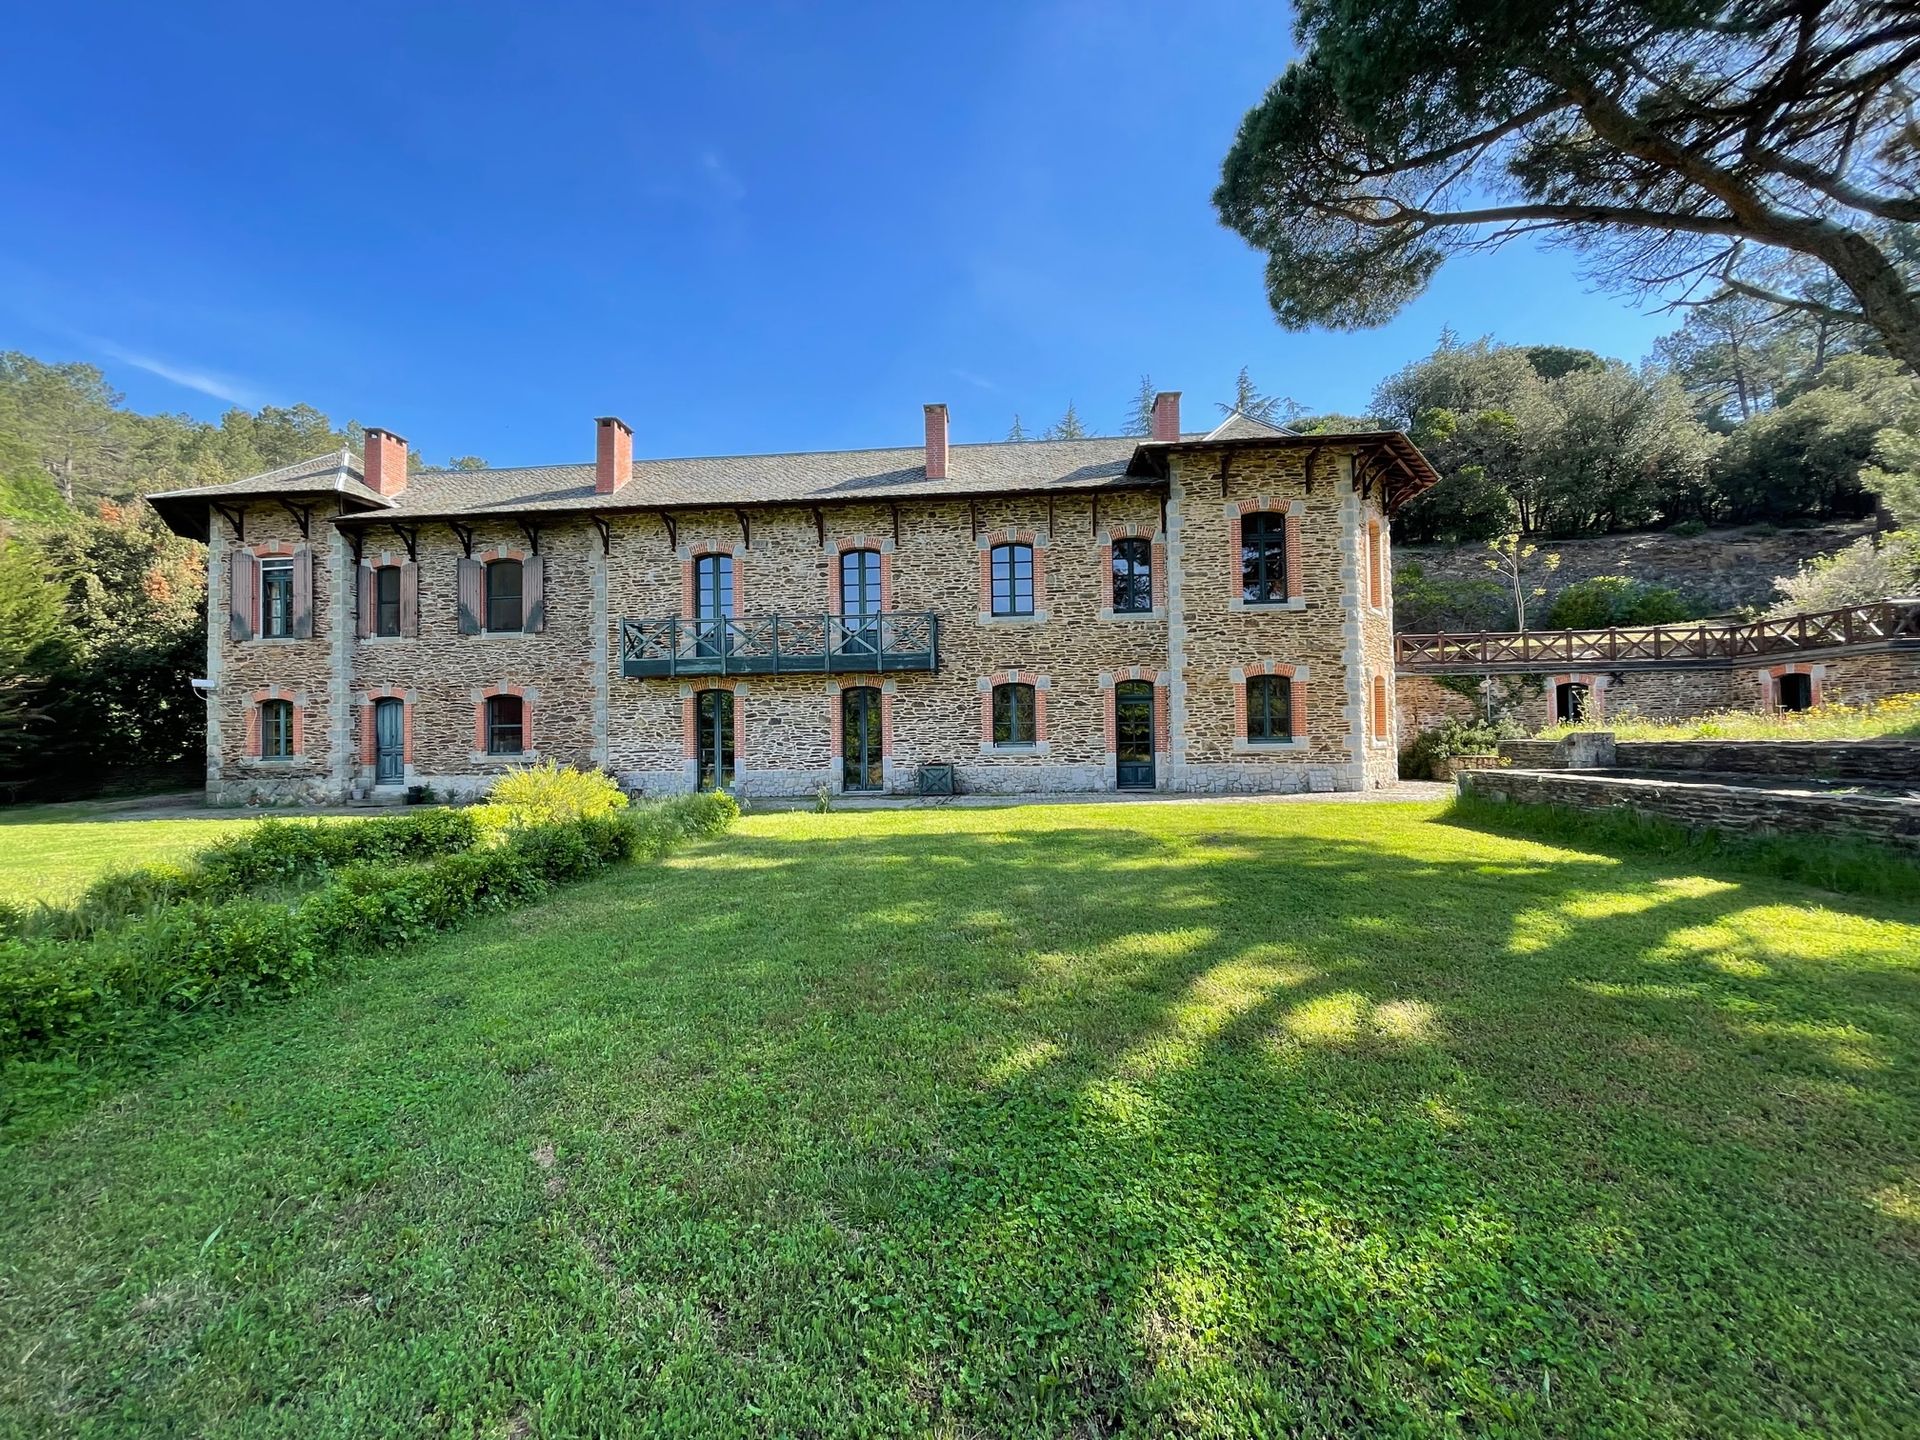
{"x": 745, "y": 228}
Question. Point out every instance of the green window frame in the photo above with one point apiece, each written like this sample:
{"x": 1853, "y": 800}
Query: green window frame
{"x": 276, "y": 729}
{"x": 1263, "y": 558}
{"x": 505, "y": 611}
{"x": 1269, "y": 709}
{"x": 276, "y": 598}
{"x": 1013, "y": 714}
{"x": 386, "y": 600}
{"x": 1010, "y": 577}
{"x": 859, "y": 584}
{"x": 1132, "y": 576}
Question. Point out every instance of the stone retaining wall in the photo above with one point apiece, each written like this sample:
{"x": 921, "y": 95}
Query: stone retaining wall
{"x": 1730, "y": 809}
{"x": 1882, "y": 760}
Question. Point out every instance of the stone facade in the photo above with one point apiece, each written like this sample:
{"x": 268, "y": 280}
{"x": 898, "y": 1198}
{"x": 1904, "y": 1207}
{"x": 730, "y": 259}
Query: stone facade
{"x": 1196, "y": 646}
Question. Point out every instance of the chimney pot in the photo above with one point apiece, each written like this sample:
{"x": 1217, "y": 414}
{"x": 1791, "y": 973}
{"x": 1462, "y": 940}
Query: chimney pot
{"x": 612, "y": 454}
{"x": 1166, "y": 415}
{"x": 936, "y": 442}
{"x": 385, "y": 466}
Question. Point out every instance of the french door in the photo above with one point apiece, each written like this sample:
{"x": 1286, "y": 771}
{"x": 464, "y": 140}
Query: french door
{"x": 860, "y": 601}
{"x": 862, "y": 765}
{"x": 712, "y": 604}
{"x": 713, "y": 739}
{"x": 1133, "y": 734}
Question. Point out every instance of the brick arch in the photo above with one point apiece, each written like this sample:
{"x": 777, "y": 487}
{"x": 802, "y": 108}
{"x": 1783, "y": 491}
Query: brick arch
{"x": 1300, "y": 675}
{"x": 1769, "y": 679}
{"x": 527, "y": 695}
{"x": 1011, "y": 535}
{"x": 1236, "y": 513}
{"x": 500, "y": 552}
{"x": 1596, "y": 684}
{"x": 838, "y": 548}
{"x": 1157, "y": 560}
{"x": 256, "y": 731}
{"x": 835, "y": 738}
{"x": 262, "y": 548}
{"x": 1110, "y": 681}
{"x": 690, "y": 717}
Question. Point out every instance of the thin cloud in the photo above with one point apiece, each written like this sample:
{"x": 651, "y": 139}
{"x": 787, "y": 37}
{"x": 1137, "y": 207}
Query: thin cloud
{"x": 967, "y": 377}
{"x": 720, "y": 176}
{"x": 220, "y": 387}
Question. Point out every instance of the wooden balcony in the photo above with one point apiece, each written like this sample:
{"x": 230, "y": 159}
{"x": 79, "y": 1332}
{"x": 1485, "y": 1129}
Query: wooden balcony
{"x": 779, "y": 645}
{"x": 1699, "y": 644}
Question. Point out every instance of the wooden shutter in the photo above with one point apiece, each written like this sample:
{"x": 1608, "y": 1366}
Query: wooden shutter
{"x": 1293, "y": 557}
{"x": 472, "y": 577}
{"x": 303, "y": 592}
{"x": 533, "y": 594}
{"x": 243, "y": 584}
{"x": 363, "y": 616}
{"x": 410, "y": 599}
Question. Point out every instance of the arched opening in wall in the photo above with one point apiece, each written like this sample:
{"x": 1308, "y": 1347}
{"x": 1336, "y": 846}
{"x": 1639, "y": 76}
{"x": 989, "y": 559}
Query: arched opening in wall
{"x": 1794, "y": 692}
{"x": 713, "y": 738}
{"x": 862, "y": 758}
{"x": 1572, "y": 701}
{"x": 1133, "y": 734}
{"x": 860, "y": 606}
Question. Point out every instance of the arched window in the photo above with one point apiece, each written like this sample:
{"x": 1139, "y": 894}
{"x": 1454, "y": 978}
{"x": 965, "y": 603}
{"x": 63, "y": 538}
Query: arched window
{"x": 1263, "y": 558}
{"x": 1013, "y": 717}
{"x": 859, "y": 583}
{"x": 386, "y": 600}
{"x": 504, "y": 609}
{"x": 506, "y": 723}
{"x": 1012, "y": 580}
{"x": 276, "y": 729}
{"x": 1132, "y": 576}
{"x": 1570, "y": 699}
{"x": 1269, "y": 709}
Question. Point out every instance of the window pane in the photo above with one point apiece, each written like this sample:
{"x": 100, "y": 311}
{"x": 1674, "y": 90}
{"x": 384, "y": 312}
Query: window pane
{"x": 1263, "y": 558}
{"x": 276, "y": 597}
{"x": 1269, "y": 708}
{"x": 503, "y": 595}
{"x": 860, "y": 582}
{"x": 387, "y": 600}
{"x": 1132, "y": 575}
{"x": 1012, "y": 579}
{"x": 505, "y": 734}
{"x": 276, "y": 729}
{"x": 1013, "y": 715}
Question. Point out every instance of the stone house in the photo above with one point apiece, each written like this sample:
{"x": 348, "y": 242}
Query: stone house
{"x": 1184, "y": 612}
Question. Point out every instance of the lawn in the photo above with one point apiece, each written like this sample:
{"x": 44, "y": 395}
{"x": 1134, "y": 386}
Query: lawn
{"x": 1896, "y": 717}
{"x": 49, "y": 852}
{"x": 1199, "y": 1119}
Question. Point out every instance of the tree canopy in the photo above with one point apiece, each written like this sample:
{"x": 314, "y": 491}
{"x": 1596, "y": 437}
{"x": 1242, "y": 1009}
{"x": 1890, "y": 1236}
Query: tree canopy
{"x": 1742, "y": 146}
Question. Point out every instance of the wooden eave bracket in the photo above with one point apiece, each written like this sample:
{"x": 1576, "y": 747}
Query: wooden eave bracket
{"x": 463, "y": 533}
{"x": 235, "y": 517}
{"x": 601, "y": 524}
{"x": 409, "y": 536}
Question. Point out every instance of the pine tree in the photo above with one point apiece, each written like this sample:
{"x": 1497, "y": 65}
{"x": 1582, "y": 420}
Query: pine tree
{"x": 1019, "y": 431}
{"x": 1250, "y": 402}
{"x": 1069, "y": 426}
{"x": 1139, "y": 419}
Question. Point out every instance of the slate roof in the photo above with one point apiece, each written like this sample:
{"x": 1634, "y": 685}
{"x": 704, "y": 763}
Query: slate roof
{"x": 819, "y": 477}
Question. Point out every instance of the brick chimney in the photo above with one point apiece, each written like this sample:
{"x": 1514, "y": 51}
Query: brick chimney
{"x": 936, "y": 442}
{"x": 385, "y": 467}
{"x": 612, "y": 454}
{"x": 1166, "y": 415}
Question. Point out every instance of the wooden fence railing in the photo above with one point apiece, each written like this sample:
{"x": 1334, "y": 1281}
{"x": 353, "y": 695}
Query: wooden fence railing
{"x": 1653, "y": 646}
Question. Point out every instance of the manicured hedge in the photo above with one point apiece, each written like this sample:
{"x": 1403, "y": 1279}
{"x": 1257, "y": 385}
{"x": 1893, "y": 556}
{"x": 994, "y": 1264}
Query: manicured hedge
{"x": 186, "y": 942}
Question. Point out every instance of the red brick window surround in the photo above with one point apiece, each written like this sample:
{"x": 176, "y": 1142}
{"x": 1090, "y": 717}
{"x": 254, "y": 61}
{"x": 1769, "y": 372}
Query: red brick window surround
{"x": 368, "y": 740}
{"x": 1014, "y": 703}
{"x": 1293, "y": 695}
{"x": 836, "y": 746}
{"x": 1773, "y": 694}
{"x": 1162, "y": 724}
{"x": 276, "y": 724}
{"x": 270, "y": 592}
{"x": 1381, "y": 732}
{"x": 1252, "y": 583}
{"x": 1376, "y": 565}
{"x": 733, "y": 587}
{"x": 690, "y": 721}
{"x": 1120, "y": 538}
{"x": 849, "y": 580}
{"x": 496, "y": 724}
{"x": 1591, "y": 697}
{"x": 1010, "y": 556}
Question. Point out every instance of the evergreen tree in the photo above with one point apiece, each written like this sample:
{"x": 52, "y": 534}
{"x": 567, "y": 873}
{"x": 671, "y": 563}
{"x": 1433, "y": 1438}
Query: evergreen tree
{"x": 1250, "y": 402}
{"x": 1068, "y": 426}
{"x": 1018, "y": 431}
{"x": 1139, "y": 419}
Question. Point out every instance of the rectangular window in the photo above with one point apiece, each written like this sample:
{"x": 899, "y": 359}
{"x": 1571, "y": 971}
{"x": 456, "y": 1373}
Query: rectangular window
{"x": 1013, "y": 715}
{"x": 506, "y": 725}
{"x": 276, "y": 729}
{"x": 1132, "y": 577}
{"x": 386, "y": 600}
{"x": 1269, "y": 709}
{"x": 1263, "y": 558}
{"x": 1012, "y": 580}
{"x": 503, "y": 595}
{"x": 276, "y": 597}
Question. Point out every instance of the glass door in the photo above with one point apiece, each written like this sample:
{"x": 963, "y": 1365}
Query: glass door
{"x": 862, "y": 767}
{"x": 713, "y": 719}
{"x": 1133, "y": 734}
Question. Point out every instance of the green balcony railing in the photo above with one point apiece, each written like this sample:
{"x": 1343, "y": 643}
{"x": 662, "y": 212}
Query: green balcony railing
{"x": 779, "y": 645}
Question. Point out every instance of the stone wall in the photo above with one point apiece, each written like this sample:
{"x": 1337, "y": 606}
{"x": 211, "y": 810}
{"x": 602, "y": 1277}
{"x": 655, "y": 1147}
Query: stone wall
{"x": 1885, "y": 761}
{"x": 1731, "y": 809}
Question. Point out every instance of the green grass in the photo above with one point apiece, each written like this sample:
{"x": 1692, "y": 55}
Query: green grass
{"x": 1207, "y": 1119}
{"x": 1897, "y": 717}
{"x": 51, "y": 852}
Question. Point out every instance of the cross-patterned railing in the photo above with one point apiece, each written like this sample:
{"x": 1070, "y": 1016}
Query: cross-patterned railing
{"x": 1657, "y": 646}
{"x": 779, "y": 645}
